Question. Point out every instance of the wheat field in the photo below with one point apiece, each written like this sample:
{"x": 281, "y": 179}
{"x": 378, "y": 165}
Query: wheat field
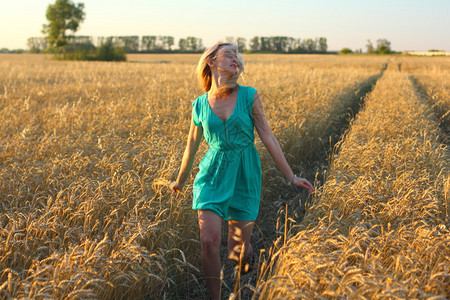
{"x": 88, "y": 150}
{"x": 379, "y": 228}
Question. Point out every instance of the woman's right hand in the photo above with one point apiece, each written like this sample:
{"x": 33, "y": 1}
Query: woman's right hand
{"x": 303, "y": 183}
{"x": 175, "y": 187}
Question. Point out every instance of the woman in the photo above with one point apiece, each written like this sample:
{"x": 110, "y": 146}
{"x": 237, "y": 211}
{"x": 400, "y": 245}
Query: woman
{"x": 228, "y": 185}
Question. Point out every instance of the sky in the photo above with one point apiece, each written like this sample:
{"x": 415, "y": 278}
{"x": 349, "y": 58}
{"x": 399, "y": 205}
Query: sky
{"x": 418, "y": 25}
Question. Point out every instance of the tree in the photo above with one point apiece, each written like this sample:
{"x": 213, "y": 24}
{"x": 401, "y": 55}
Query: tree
{"x": 279, "y": 44}
{"x": 289, "y": 45}
{"x": 191, "y": 43}
{"x": 265, "y": 44}
{"x": 63, "y": 15}
{"x": 369, "y": 46}
{"x": 194, "y": 44}
{"x": 36, "y": 44}
{"x": 323, "y": 47}
{"x": 129, "y": 43}
{"x": 255, "y": 45}
{"x": 182, "y": 45}
{"x": 83, "y": 43}
{"x": 108, "y": 52}
{"x": 241, "y": 42}
{"x": 167, "y": 42}
{"x": 383, "y": 46}
{"x": 296, "y": 45}
{"x": 310, "y": 45}
{"x": 345, "y": 51}
{"x": 149, "y": 43}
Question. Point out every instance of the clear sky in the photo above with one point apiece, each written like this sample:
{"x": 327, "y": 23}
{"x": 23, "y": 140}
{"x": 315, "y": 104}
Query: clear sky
{"x": 408, "y": 24}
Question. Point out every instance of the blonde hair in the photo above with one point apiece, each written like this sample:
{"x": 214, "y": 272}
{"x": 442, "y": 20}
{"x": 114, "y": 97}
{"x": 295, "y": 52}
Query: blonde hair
{"x": 204, "y": 73}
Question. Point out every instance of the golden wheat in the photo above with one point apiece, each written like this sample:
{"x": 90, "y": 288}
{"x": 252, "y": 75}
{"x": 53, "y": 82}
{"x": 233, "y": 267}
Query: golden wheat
{"x": 88, "y": 148}
{"x": 434, "y": 80}
{"x": 379, "y": 228}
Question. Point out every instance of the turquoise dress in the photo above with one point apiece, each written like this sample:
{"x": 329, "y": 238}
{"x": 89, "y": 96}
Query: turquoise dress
{"x": 229, "y": 179}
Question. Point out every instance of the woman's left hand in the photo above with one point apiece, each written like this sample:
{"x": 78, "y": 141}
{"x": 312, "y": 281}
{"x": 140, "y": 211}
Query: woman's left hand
{"x": 303, "y": 183}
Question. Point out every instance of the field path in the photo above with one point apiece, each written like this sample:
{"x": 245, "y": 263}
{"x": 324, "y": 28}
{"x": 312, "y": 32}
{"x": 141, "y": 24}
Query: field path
{"x": 379, "y": 226}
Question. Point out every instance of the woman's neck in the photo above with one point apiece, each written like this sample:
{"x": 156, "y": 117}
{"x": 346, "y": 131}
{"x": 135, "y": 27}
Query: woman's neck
{"x": 219, "y": 86}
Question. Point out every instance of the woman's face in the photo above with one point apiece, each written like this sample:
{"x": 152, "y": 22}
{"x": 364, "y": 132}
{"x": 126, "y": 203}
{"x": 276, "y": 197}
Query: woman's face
{"x": 225, "y": 61}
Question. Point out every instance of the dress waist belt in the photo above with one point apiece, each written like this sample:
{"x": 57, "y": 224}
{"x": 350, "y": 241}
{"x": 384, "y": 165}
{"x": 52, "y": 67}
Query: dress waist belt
{"x": 226, "y": 149}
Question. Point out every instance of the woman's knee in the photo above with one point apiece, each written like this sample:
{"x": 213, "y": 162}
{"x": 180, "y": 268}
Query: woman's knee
{"x": 210, "y": 230}
{"x": 210, "y": 242}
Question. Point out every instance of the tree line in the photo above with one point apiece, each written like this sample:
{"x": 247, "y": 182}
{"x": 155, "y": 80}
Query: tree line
{"x": 190, "y": 44}
{"x": 283, "y": 44}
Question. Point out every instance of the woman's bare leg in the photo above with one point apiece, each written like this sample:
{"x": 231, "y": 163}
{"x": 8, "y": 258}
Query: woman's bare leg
{"x": 239, "y": 235}
{"x": 210, "y": 237}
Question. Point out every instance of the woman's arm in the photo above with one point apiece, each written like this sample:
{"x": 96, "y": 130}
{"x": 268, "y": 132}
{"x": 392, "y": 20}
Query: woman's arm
{"x": 193, "y": 142}
{"x": 272, "y": 145}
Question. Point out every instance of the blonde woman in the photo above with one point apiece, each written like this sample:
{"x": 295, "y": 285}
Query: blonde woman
{"x": 228, "y": 185}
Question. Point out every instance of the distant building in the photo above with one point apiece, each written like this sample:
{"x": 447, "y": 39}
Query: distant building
{"x": 427, "y": 53}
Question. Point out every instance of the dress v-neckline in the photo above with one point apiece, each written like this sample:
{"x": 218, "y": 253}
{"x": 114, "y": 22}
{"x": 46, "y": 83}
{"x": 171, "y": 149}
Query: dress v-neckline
{"x": 234, "y": 109}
